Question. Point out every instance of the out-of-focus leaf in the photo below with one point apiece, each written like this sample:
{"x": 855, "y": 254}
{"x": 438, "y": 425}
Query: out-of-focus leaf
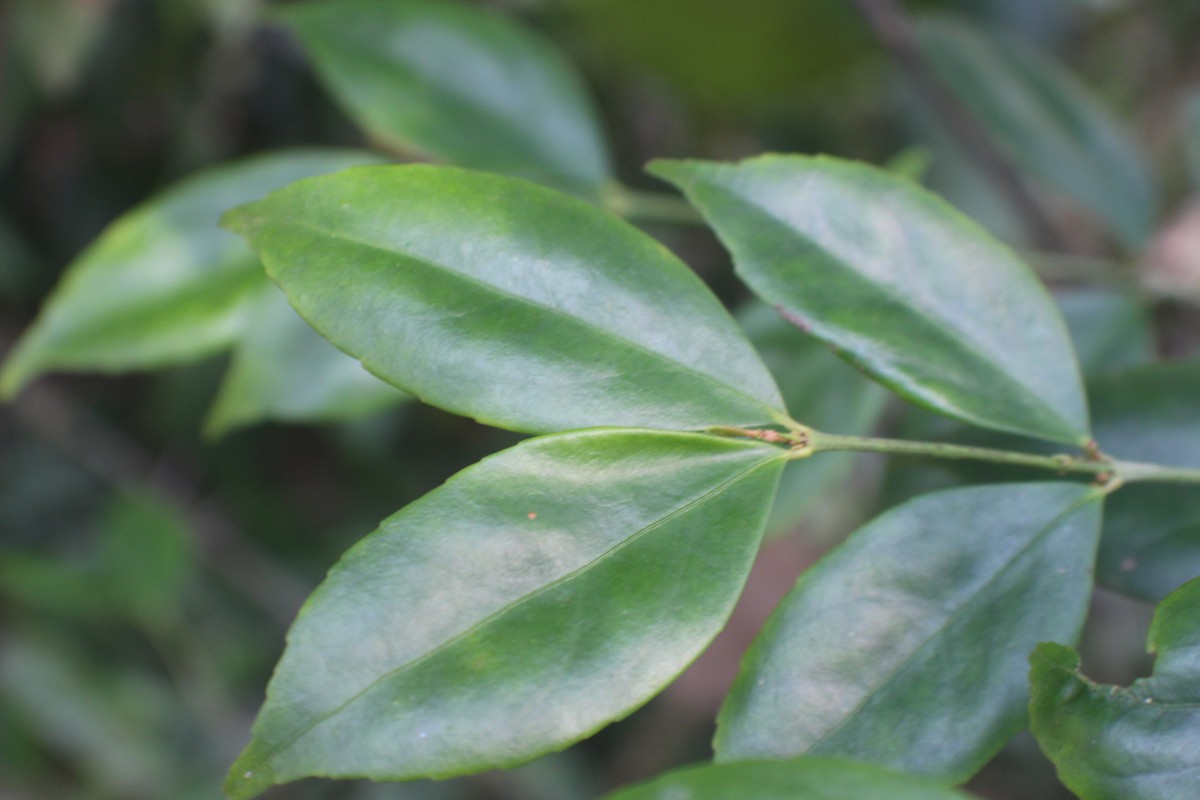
{"x": 284, "y": 370}
{"x": 458, "y": 83}
{"x": 798, "y": 779}
{"x": 532, "y": 599}
{"x": 80, "y": 713}
{"x": 1191, "y": 137}
{"x": 1046, "y": 121}
{"x": 146, "y": 558}
{"x": 906, "y": 647}
{"x": 51, "y": 584}
{"x": 163, "y": 285}
{"x": 825, "y": 393}
{"x": 902, "y": 284}
{"x": 1110, "y": 328}
{"x": 1140, "y": 743}
{"x": 508, "y": 302}
{"x": 1150, "y": 413}
{"x": 56, "y": 38}
{"x": 17, "y": 261}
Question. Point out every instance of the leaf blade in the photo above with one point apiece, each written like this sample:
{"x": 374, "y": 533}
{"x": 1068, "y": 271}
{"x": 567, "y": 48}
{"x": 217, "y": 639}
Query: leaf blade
{"x": 163, "y": 285}
{"x": 1138, "y": 743}
{"x": 864, "y": 258}
{"x": 462, "y": 84}
{"x": 558, "y": 558}
{"x": 575, "y": 318}
{"x": 904, "y": 616}
{"x": 799, "y": 779}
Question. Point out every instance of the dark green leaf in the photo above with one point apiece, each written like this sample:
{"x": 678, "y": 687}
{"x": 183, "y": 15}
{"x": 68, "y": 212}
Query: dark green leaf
{"x": 458, "y": 83}
{"x": 800, "y": 779}
{"x": 1110, "y": 328}
{"x": 534, "y": 598}
{"x": 906, "y": 287}
{"x": 1046, "y": 121}
{"x": 501, "y": 300}
{"x": 1151, "y": 541}
{"x": 829, "y": 396}
{"x": 163, "y": 285}
{"x": 1140, "y": 743}
{"x": 906, "y": 646}
{"x": 283, "y": 370}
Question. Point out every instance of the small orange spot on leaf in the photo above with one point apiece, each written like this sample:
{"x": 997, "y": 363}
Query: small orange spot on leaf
{"x": 532, "y": 515}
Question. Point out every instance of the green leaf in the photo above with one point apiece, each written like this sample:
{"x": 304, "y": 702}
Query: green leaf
{"x": 827, "y": 393}
{"x": 458, "y": 83}
{"x": 535, "y": 597}
{"x": 1110, "y": 328}
{"x": 800, "y": 779}
{"x": 146, "y": 558}
{"x": 284, "y": 370}
{"x": 1140, "y": 743}
{"x": 904, "y": 286}
{"x": 1046, "y": 121}
{"x": 1151, "y": 541}
{"x": 504, "y": 301}
{"x": 906, "y": 646}
{"x": 163, "y": 284}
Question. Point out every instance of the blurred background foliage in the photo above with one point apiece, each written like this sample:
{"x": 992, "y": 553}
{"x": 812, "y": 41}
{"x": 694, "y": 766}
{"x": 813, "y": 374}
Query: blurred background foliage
{"x": 148, "y": 572}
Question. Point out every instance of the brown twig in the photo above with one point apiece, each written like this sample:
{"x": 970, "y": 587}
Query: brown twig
{"x": 118, "y": 460}
{"x": 895, "y": 32}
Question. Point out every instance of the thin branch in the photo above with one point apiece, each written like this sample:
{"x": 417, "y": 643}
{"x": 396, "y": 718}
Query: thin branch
{"x": 894, "y": 31}
{"x": 118, "y": 460}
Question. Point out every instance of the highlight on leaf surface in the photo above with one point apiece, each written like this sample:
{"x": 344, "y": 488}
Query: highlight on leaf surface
{"x": 535, "y": 597}
{"x": 900, "y": 283}
{"x": 1140, "y": 743}
{"x": 508, "y": 302}
{"x": 906, "y": 646}
{"x": 457, "y": 82}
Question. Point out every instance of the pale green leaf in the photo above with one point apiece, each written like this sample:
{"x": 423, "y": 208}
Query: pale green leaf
{"x": 1140, "y": 743}
{"x": 903, "y": 285}
{"x": 508, "y": 302}
{"x": 456, "y": 82}
{"x": 906, "y": 646}
{"x": 532, "y": 599}
{"x": 163, "y": 285}
{"x": 284, "y": 370}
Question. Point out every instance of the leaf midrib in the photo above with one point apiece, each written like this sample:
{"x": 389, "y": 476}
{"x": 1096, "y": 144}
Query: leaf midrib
{"x": 679, "y": 366}
{"x": 502, "y": 611}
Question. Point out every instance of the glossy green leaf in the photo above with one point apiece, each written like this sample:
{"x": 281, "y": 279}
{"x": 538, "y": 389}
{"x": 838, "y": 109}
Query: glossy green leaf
{"x": 456, "y": 82}
{"x": 163, "y": 284}
{"x": 501, "y": 300}
{"x": 284, "y": 370}
{"x": 906, "y": 646}
{"x": 1140, "y": 743}
{"x": 799, "y": 779}
{"x": 1151, "y": 541}
{"x": 902, "y": 284}
{"x": 1046, "y": 121}
{"x": 826, "y": 393}
{"x": 532, "y": 599}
